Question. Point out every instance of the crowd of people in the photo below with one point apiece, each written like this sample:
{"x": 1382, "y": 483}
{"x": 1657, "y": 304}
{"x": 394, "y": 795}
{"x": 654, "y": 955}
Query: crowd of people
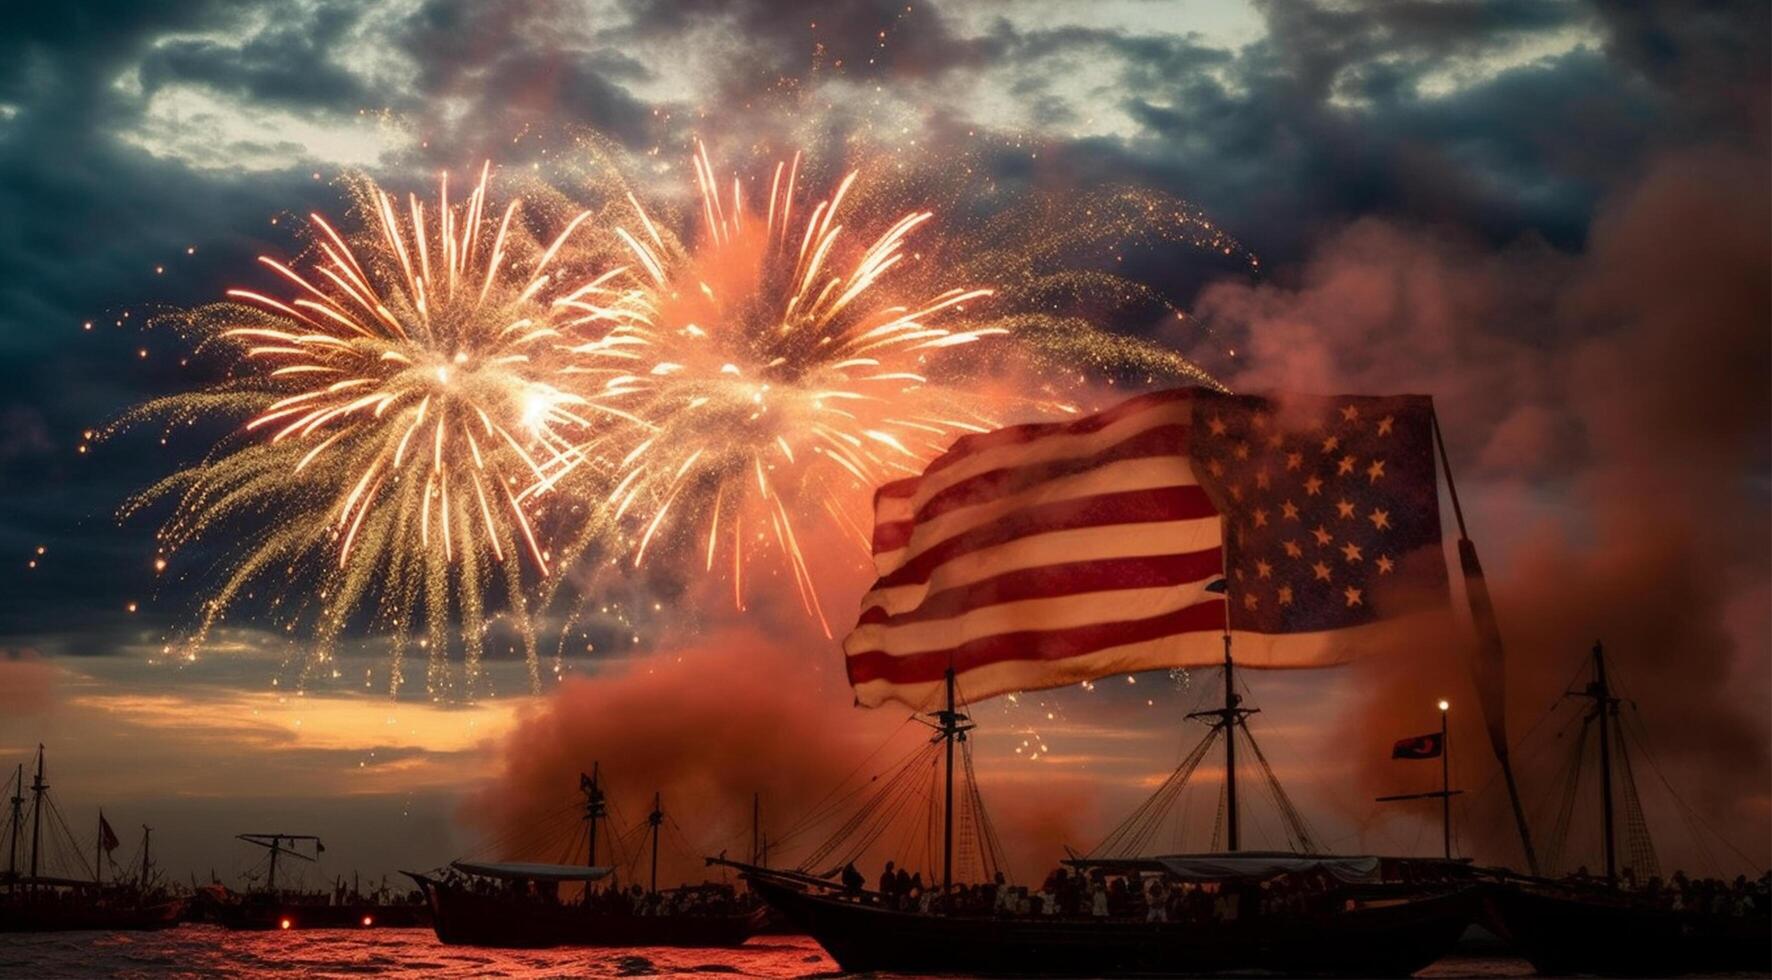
{"x": 1098, "y": 893}
{"x": 1157, "y": 897}
{"x": 708, "y": 898}
{"x": 1698, "y": 896}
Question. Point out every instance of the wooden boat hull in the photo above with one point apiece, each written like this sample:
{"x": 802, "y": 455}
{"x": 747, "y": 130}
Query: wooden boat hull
{"x": 465, "y": 918}
{"x": 261, "y": 916}
{"x": 61, "y": 916}
{"x": 1382, "y": 940}
{"x": 1563, "y": 930}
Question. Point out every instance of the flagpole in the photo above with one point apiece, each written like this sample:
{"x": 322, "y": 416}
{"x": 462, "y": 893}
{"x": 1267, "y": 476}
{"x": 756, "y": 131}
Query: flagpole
{"x": 1490, "y": 654}
{"x": 1445, "y": 781}
{"x": 1415, "y": 748}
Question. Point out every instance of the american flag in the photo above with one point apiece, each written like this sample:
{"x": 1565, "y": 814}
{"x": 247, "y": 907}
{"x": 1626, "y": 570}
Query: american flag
{"x": 1042, "y": 555}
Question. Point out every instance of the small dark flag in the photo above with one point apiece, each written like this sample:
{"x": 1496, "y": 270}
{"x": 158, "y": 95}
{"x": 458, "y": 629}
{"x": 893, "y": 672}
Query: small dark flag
{"x": 1419, "y": 747}
{"x": 107, "y": 838}
{"x": 319, "y": 848}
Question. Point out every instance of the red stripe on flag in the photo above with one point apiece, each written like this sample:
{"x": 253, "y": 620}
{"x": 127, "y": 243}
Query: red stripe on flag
{"x": 1162, "y": 440}
{"x": 1054, "y": 581}
{"x": 1019, "y": 435}
{"x": 1031, "y": 645}
{"x": 1100, "y": 510}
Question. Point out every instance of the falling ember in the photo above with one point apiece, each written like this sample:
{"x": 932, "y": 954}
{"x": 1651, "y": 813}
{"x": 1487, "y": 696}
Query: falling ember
{"x": 398, "y": 396}
{"x": 766, "y": 376}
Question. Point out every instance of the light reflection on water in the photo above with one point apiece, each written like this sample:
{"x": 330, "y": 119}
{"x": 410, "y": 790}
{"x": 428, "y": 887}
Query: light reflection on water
{"x": 211, "y": 951}
{"x": 207, "y": 951}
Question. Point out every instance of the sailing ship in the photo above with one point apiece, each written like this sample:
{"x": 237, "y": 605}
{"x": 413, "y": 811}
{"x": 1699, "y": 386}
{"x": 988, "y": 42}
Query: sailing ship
{"x": 1118, "y": 913}
{"x": 519, "y": 903}
{"x": 275, "y": 908}
{"x": 1043, "y": 555}
{"x": 1625, "y": 922}
{"x": 36, "y": 900}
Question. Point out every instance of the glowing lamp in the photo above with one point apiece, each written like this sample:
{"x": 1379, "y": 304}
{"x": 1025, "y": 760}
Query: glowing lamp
{"x": 284, "y": 923}
{"x": 369, "y": 920}
{"x": 1445, "y": 704}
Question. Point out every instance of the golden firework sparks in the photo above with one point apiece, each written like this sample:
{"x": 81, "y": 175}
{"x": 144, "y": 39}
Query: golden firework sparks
{"x": 415, "y": 398}
{"x": 402, "y": 397}
{"x": 773, "y": 371}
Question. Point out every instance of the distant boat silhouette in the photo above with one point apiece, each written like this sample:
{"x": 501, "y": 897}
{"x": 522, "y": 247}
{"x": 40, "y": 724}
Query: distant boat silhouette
{"x": 1588, "y": 924}
{"x": 284, "y": 908}
{"x": 35, "y": 900}
{"x": 517, "y": 904}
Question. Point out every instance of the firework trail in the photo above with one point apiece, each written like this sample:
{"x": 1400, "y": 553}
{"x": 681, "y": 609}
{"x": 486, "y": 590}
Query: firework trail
{"x": 401, "y": 397}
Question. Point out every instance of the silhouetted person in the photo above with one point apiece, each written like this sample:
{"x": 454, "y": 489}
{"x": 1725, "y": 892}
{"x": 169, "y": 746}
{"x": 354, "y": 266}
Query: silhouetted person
{"x": 852, "y": 879}
{"x": 888, "y": 884}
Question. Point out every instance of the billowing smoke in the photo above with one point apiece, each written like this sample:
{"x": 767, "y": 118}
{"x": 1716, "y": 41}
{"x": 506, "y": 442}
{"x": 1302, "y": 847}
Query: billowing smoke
{"x": 1607, "y": 412}
{"x": 1608, "y": 416}
{"x": 707, "y": 724}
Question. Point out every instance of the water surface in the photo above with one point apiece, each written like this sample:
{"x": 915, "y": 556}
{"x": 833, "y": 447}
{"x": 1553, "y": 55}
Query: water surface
{"x": 210, "y": 951}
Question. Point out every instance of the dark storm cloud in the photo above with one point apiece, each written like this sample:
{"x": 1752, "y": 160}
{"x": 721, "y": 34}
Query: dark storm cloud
{"x": 290, "y": 62}
{"x": 1325, "y": 120}
{"x": 1711, "y": 54}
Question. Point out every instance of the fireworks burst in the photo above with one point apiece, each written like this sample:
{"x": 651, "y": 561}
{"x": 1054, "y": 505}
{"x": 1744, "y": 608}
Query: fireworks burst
{"x": 402, "y": 398}
{"x": 773, "y": 371}
{"x": 442, "y": 390}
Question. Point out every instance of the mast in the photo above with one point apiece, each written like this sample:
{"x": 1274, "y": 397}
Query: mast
{"x": 952, "y": 728}
{"x": 37, "y": 788}
{"x": 1227, "y": 720}
{"x": 147, "y": 832}
{"x": 18, "y": 824}
{"x": 947, "y": 805}
{"x": 656, "y": 819}
{"x": 1231, "y": 699}
{"x": 274, "y": 843}
{"x": 1599, "y": 691}
{"x": 1604, "y": 704}
{"x": 756, "y": 814}
{"x": 594, "y": 807}
{"x": 98, "y": 850}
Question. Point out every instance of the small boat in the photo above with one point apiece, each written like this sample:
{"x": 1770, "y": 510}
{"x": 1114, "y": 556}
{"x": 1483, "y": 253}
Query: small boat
{"x": 35, "y": 900}
{"x": 519, "y": 904}
{"x": 273, "y": 908}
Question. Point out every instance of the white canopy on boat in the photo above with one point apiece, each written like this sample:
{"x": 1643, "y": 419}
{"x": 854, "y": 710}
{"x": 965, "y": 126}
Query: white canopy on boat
{"x": 532, "y": 871}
